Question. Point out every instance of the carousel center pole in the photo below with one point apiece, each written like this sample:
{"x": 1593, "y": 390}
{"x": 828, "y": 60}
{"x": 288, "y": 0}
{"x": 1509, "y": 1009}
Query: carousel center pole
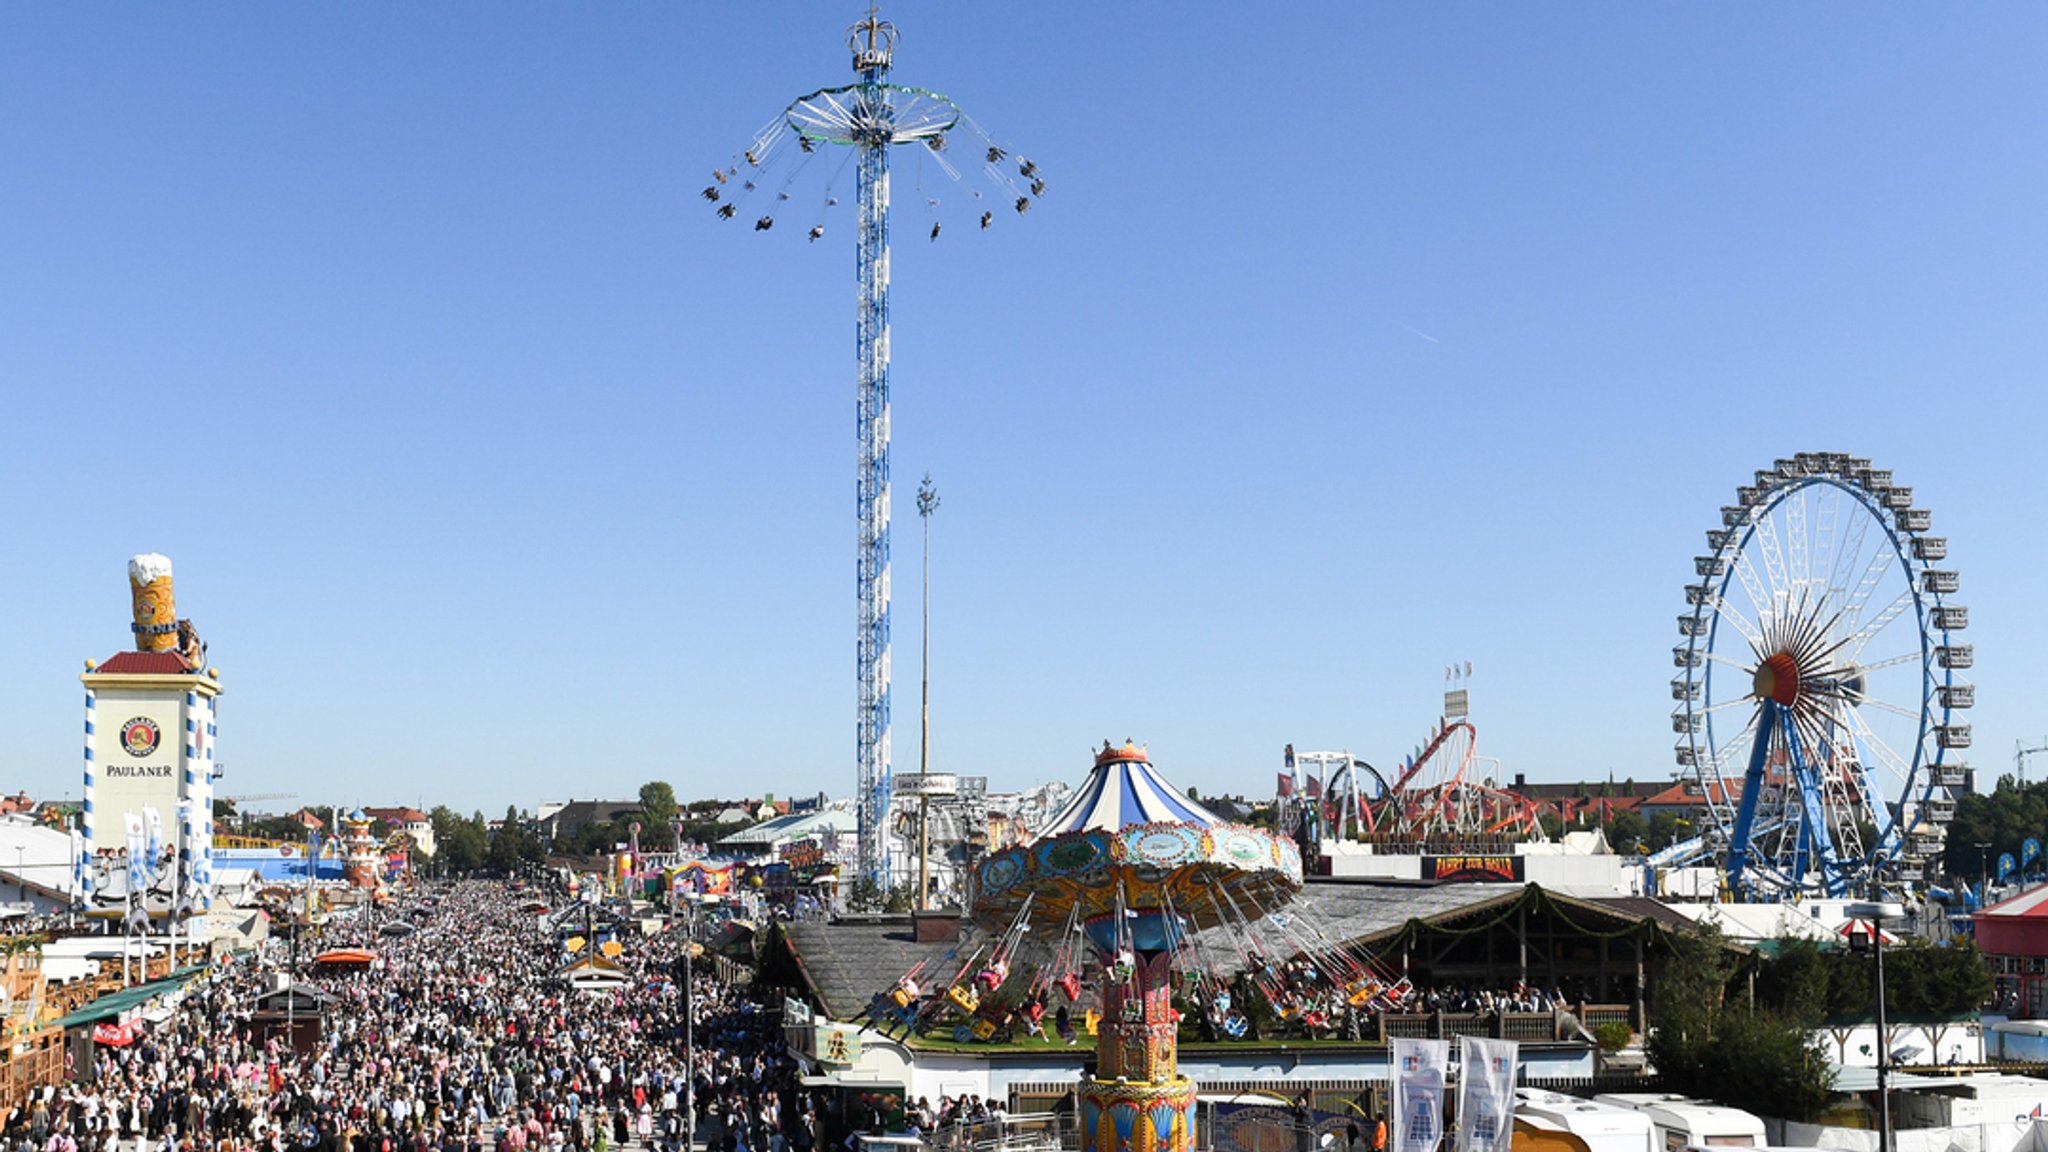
{"x": 1138, "y": 1101}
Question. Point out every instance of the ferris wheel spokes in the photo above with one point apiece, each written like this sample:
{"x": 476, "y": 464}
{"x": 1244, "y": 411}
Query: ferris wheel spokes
{"x": 1796, "y": 557}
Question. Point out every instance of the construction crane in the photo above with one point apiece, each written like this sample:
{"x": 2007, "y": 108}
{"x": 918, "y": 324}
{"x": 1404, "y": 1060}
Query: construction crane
{"x": 252, "y": 797}
{"x": 2022, "y": 750}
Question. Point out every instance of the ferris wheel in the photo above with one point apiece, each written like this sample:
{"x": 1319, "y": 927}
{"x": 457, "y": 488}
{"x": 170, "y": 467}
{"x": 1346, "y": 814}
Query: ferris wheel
{"x": 1819, "y": 700}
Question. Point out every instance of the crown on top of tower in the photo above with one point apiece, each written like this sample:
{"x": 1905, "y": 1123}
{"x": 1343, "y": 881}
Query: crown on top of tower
{"x": 872, "y": 41}
{"x": 1111, "y": 754}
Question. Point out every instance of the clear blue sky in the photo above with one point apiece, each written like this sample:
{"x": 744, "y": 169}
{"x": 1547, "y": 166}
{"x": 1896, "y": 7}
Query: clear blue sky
{"x": 1349, "y": 340}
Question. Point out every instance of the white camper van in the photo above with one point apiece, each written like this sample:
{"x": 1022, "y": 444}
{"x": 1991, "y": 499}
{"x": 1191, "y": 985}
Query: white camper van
{"x": 1682, "y": 1122}
{"x": 1593, "y": 1126}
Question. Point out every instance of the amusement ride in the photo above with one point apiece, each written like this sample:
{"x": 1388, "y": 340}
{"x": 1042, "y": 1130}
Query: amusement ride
{"x": 789, "y": 174}
{"x": 1820, "y": 695}
{"x": 1444, "y": 796}
{"x": 1136, "y": 907}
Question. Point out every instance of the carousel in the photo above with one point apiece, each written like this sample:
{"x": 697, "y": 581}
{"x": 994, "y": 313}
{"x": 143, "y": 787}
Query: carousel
{"x": 1144, "y": 898}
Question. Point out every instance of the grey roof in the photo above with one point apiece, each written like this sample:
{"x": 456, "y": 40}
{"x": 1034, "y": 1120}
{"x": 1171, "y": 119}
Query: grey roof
{"x": 577, "y": 814}
{"x": 847, "y": 962}
{"x": 792, "y": 827}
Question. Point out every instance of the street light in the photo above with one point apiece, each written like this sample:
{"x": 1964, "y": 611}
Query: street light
{"x": 1877, "y": 913}
{"x": 689, "y": 1031}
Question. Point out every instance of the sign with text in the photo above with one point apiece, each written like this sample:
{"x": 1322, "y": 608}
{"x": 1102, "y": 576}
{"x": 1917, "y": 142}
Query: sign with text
{"x": 1473, "y": 868}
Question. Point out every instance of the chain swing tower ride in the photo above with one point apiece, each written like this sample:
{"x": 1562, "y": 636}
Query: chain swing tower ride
{"x": 862, "y": 122}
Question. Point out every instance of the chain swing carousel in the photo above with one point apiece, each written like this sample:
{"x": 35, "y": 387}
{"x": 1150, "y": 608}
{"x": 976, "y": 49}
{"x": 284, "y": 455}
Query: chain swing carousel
{"x": 1136, "y": 876}
{"x": 1122, "y": 880}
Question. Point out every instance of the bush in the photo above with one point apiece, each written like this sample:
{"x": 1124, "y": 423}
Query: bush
{"x": 1612, "y": 1036}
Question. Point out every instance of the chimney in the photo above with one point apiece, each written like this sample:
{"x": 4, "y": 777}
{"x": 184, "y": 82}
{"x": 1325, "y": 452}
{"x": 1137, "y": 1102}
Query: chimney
{"x": 937, "y": 926}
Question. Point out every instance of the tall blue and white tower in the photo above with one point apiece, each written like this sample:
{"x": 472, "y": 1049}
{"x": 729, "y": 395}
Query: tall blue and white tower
{"x": 817, "y": 135}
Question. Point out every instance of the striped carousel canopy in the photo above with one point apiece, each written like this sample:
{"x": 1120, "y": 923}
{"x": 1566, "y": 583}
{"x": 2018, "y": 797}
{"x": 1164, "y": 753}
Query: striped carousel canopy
{"x": 1124, "y": 790}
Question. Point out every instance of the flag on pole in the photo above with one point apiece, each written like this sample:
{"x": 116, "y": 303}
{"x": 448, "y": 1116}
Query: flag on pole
{"x": 1286, "y": 785}
{"x": 138, "y": 847}
{"x": 154, "y": 851}
{"x": 1418, "y": 1104}
{"x": 1486, "y": 1095}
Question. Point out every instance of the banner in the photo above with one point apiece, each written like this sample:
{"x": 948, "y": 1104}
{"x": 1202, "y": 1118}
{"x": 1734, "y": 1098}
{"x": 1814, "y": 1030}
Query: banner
{"x": 1418, "y": 1103}
{"x": 1486, "y": 1095}
{"x": 1476, "y": 868}
{"x": 113, "y": 1035}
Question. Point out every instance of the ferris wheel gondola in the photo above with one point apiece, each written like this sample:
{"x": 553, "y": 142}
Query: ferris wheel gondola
{"x": 1819, "y": 701}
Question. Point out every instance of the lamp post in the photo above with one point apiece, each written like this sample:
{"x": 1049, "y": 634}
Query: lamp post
{"x": 1984, "y": 867}
{"x": 1877, "y": 913}
{"x": 927, "y": 503}
{"x": 689, "y": 1030}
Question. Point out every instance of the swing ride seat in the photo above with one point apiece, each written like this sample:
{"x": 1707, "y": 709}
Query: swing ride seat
{"x": 963, "y": 997}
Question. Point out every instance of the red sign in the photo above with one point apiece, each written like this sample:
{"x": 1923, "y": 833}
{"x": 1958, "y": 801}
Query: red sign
{"x": 114, "y": 1035}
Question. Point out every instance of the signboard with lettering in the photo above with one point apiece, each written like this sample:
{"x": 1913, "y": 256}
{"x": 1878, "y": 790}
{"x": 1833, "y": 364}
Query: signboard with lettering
{"x": 138, "y": 743}
{"x": 1473, "y": 868}
{"x": 802, "y": 855}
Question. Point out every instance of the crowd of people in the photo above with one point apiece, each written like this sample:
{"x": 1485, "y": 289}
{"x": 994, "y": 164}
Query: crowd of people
{"x": 1486, "y": 1001}
{"x": 463, "y": 1036}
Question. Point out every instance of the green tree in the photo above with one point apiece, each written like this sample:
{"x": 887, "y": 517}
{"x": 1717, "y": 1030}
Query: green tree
{"x": 459, "y": 844}
{"x": 1750, "y": 1057}
{"x": 513, "y": 844}
{"x": 657, "y": 816}
{"x": 2002, "y": 821}
{"x": 1628, "y": 831}
{"x": 1794, "y": 982}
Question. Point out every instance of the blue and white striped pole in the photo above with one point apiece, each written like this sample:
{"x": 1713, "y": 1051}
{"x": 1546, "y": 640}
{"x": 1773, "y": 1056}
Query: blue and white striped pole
{"x": 91, "y": 845}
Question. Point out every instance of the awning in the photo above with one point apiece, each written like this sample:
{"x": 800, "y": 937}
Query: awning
{"x": 362, "y": 956}
{"x": 114, "y": 1004}
{"x": 1858, "y": 1078}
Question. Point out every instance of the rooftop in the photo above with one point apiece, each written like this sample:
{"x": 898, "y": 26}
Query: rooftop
{"x": 143, "y": 664}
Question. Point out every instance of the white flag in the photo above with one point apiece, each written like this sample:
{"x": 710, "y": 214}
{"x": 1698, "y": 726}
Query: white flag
{"x": 1418, "y": 1109}
{"x": 1486, "y": 1095}
{"x": 155, "y": 852}
{"x": 138, "y": 876}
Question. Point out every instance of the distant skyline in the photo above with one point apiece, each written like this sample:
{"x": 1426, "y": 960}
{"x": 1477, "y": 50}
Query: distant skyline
{"x": 1347, "y": 342}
